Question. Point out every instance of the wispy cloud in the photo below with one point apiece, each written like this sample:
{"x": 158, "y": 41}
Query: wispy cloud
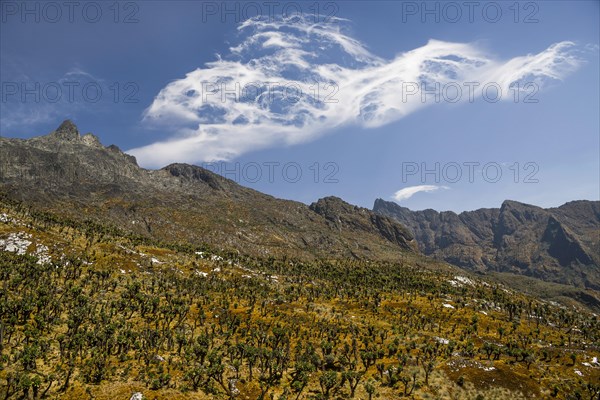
{"x": 408, "y": 192}
{"x": 299, "y": 80}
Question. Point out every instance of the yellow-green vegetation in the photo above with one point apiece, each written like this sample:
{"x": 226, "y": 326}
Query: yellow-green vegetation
{"x": 89, "y": 312}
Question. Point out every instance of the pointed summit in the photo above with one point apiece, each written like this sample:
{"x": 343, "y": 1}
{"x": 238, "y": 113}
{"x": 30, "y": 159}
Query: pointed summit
{"x": 67, "y": 131}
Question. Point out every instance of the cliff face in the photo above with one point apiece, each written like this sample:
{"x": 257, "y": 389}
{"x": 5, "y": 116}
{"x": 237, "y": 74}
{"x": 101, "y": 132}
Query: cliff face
{"x": 343, "y": 216}
{"x": 558, "y": 244}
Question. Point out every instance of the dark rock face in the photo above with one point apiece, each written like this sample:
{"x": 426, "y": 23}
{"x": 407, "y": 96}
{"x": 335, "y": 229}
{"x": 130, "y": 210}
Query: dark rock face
{"x": 76, "y": 175}
{"x": 563, "y": 245}
{"x": 342, "y": 215}
{"x": 192, "y": 173}
{"x": 67, "y": 131}
{"x": 558, "y": 244}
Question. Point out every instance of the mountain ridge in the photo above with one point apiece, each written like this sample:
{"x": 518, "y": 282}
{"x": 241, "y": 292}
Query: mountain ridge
{"x": 557, "y": 244}
{"x": 64, "y": 171}
{"x": 76, "y": 176}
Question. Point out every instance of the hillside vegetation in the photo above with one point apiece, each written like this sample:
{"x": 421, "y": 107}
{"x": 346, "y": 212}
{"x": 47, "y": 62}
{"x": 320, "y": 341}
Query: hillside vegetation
{"x": 91, "y": 312}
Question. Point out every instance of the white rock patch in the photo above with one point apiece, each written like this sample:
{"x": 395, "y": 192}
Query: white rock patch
{"x": 41, "y": 252}
{"x": 461, "y": 281}
{"x": 16, "y": 243}
{"x": 200, "y": 273}
{"x": 19, "y": 243}
{"x": 442, "y": 340}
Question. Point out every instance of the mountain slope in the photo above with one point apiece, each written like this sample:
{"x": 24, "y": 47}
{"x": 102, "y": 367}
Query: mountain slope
{"x": 558, "y": 245}
{"x": 75, "y": 175}
{"x": 88, "y": 312}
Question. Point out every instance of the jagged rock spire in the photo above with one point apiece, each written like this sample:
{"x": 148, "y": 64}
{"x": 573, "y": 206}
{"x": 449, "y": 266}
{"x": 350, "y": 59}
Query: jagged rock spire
{"x": 67, "y": 131}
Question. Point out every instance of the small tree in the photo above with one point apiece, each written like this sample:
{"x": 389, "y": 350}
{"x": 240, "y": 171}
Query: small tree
{"x": 353, "y": 378}
{"x": 328, "y": 380}
{"x": 573, "y": 358}
{"x": 370, "y": 388}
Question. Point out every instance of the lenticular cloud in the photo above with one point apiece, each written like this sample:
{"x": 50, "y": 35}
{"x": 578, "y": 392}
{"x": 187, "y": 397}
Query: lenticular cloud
{"x": 288, "y": 82}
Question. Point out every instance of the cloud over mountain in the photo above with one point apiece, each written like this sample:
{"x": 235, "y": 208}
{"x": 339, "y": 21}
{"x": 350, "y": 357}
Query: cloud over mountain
{"x": 291, "y": 81}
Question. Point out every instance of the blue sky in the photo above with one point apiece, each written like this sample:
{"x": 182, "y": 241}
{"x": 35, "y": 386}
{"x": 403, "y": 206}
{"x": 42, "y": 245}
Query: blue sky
{"x": 364, "y": 134}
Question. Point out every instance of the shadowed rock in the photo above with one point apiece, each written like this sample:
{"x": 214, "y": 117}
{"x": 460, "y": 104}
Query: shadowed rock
{"x": 558, "y": 244}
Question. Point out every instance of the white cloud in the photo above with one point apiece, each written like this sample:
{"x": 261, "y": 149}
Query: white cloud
{"x": 408, "y": 192}
{"x": 276, "y": 60}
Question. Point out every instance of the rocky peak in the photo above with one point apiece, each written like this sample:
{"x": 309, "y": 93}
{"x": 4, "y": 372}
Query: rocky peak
{"x": 117, "y": 151}
{"x": 513, "y": 213}
{"x": 381, "y": 204}
{"x": 520, "y": 209}
{"x": 67, "y": 131}
{"x": 390, "y": 208}
{"x": 91, "y": 140}
{"x": 345, "y": 216}
{"x": 332, "y": 207}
